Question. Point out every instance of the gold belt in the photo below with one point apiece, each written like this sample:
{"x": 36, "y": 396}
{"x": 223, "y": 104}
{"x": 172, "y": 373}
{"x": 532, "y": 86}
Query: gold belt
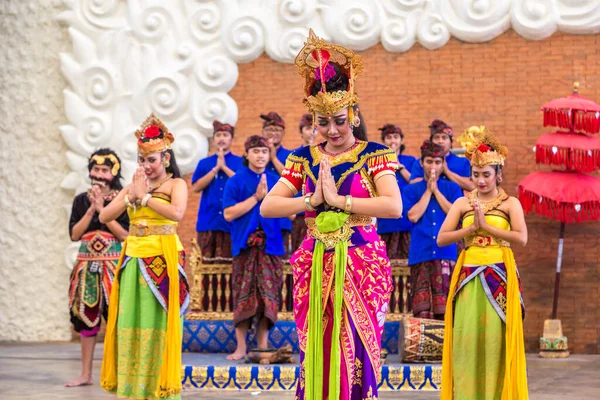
{"x": 147, "y": 230}
{"x": 485, "y": 241}
{"x": 330, "y": 239}
{"x": 353, "y": 220}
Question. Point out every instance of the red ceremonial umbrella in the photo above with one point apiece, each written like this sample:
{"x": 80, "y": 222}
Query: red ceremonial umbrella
{"x": 576, "y": 152}
{"x": 573, "y": 112}
{"x": 566, "y": 196}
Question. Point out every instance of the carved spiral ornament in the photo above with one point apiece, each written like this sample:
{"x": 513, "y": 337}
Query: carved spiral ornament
{"x": 153, "y": 23}
{"x": 245, "y": 39}
{"x": 397, "y": 35}
{"x": 100, "y": 13}
{"x": 353, "y": 23}
{"x": 401, "y": 7}
{"x": 166, "y": 96}
{"x": 205, "y": 23}
{"x": 99, "y": 87}
{"x": 218, "y": 72}
{"x": 297, "y": 11}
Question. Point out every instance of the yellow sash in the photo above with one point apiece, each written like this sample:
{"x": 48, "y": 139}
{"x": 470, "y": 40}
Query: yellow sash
{"x": 169, "y": 379}
{"x": 515, "y": 375}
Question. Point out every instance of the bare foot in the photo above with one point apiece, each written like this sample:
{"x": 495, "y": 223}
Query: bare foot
{"x": 80, "y": 381}
{"x": 238, "y": 354}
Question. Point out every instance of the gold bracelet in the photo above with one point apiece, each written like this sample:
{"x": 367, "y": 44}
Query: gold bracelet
{"x": 348, "y": 208}
{"x": 128, "y": 203}
{"x": 144, "y": 201}
{"x": 309, "y": 207}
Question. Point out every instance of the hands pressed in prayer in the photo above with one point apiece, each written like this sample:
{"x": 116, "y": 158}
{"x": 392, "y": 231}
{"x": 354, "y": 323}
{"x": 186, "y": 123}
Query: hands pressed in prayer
{"x": 479, "y": 216}
{"x": 96, "y": 199}
{"x": 140, "y": 185}
{"x": 330, "y": 193}
{"x": 432, "y": 183}
{"x": 262, "y": 189}
{"x": 220, "y": 159}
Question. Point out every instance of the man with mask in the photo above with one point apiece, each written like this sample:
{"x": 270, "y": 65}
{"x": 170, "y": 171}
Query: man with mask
{"x": 92, "y": 277}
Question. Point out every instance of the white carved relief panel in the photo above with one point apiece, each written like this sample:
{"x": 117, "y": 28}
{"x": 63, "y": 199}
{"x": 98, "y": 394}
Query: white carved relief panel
{"x": 179, "y": 58}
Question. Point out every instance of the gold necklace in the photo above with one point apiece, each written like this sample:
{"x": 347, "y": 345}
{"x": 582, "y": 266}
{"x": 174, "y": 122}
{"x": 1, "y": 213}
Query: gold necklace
{"x": 331, "y": 153}
{"x": 487, "y": 205}
{"x": 156, "y": 186}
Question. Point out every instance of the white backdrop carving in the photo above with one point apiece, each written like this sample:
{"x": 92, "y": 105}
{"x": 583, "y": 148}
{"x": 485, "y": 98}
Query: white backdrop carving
{"x": 180, "y": 58}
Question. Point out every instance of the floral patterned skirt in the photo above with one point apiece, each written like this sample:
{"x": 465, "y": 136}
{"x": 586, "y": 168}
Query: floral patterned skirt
{"x": 215, "y": 246}
{"x": 430, "y": 282}
{"x": 397, "y": 244}
{"x": 257, "y": 280}
{"x": 367, "y": 287}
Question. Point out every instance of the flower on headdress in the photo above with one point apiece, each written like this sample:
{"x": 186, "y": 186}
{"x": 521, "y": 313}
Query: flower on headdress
{"x": 329, "y": 72}
{"x": 152, "y": 132}
{"x": 484, "y": 148}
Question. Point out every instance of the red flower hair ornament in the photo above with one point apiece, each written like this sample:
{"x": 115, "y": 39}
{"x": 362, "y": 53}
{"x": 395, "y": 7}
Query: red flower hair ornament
{"x": 152, "y": 132}
{"x": 484, "y": 148}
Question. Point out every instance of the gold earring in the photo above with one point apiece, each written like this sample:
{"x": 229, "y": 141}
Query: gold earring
{"x": 167, "y": 164}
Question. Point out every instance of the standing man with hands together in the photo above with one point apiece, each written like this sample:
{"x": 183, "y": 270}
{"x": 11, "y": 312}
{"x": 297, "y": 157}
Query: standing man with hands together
{"x": 210, "y": 177}
{"x": 257, "y": 247}
{"x": 93, "y": 275}
{"x": 426, "y": 203}
{"x": 274, "y": 131}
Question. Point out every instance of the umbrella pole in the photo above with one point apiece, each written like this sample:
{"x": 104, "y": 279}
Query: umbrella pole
{"x": 554, "y": 344}
{"x": 561, "y": 239}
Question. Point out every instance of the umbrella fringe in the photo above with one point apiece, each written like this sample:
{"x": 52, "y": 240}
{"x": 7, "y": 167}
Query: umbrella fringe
{"x": 582, "y": 121}
{"x": 574, "y": 159}
{"x": 563, "y": 212}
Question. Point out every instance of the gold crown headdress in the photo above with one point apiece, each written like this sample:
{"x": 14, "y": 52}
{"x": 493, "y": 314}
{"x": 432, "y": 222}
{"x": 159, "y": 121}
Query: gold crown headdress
{"x": 312, "y": 62}
{"x": 482, "y": 147}
{"x": 153, "y": 136}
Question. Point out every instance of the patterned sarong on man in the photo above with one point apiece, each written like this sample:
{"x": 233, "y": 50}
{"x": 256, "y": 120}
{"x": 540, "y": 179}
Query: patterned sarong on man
{"x": 91, "y": 279}
{"x": 430, "y": 281}
{"x": 257, "y": 280}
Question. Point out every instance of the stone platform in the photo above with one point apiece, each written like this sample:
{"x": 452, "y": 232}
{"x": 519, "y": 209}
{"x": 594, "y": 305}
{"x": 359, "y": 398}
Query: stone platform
{"x": 38, "y": 371}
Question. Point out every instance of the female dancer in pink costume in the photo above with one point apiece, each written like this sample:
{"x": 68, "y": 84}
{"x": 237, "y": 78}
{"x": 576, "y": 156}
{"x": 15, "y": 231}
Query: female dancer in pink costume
{"x": 342, "y": 276}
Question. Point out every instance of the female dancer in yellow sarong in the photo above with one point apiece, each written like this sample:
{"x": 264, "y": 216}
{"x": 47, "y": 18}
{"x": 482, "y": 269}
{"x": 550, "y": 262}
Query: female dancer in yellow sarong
{"x": 484, "y": 354}
{"x": 142, "y": 347}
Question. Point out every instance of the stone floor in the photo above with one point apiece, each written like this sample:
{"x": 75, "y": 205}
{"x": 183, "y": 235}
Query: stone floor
{"x": 38, "y": 371}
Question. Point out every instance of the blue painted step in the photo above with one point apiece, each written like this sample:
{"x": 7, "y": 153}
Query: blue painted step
{"x": 219, "y": 336}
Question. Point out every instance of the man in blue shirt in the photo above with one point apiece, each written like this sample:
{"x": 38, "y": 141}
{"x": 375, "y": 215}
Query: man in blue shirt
{"x": 274, "y": 131}
{"x": 456, "y": 169}
{"x": 209, "y": 178}
{"x": 426, "y": 204}
{"x": 396, "y": 232}
{"x": 257, "y": 247}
